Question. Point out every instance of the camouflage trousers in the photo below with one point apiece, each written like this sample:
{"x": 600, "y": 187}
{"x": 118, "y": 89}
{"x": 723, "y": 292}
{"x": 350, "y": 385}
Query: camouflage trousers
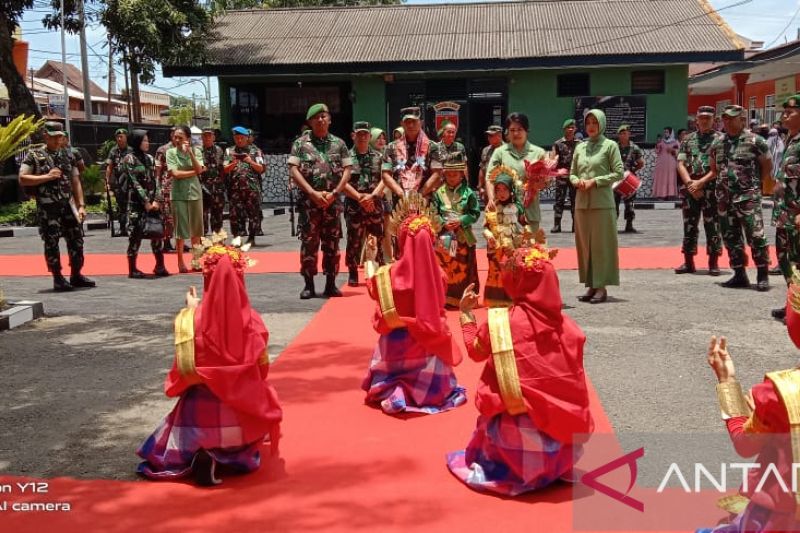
{"x": 564, "y": 189}
{"x": 135, "y": 228}
{"x": 359, "y": 225}
{"x": 56, "y": 221}
{"x": 692, "y": 209}
{"x": 630, "y": 214}
{"x": 743, "y": 217}
{"x": 787, "y": 247}
{"x": 213, "y": 206}
{"x": 121, "y": 194}
{"x": 166, "y": 207}
{"x": 245, "y": 211}
{"x": 319, "y": 227}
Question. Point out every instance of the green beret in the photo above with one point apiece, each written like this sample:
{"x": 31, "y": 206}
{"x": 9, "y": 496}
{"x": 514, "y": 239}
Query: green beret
{"x": 623, "y": 127}
{"x": 792, "y": 101}
{"x": 315, "y": 110}
{"x": 568, "y": 122}
{"x": 121, "y": 131}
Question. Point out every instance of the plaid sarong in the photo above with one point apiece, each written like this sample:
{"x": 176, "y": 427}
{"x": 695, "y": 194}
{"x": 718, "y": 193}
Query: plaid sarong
{"x": 199, "y": 421}
{"x": 403, "y": 377}
{"x": 508, "y": 455}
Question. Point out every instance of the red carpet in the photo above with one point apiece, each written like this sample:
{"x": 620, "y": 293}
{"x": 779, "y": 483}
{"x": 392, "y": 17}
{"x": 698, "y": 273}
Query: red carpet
{"x": 289, "y": 262}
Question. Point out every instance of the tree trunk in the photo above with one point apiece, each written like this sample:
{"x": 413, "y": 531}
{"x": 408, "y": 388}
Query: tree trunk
{"x": 20, "y": 97}
{"x": 137, "y": 106}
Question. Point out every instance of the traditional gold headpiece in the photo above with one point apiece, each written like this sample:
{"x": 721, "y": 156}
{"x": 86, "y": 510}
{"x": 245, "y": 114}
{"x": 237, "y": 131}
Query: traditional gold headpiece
{"x": 414, "y": 212}
{"x": 532, "y": 256}
{"x": 793, "y": 295}
{"x": 208, "y": 253}
{"x": 503, "y": 169}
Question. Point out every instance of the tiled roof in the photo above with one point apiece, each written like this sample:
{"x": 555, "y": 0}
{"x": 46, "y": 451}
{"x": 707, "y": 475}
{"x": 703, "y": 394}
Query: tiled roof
{"x": 74, "y": 77}
{"x": 501, "y": 34}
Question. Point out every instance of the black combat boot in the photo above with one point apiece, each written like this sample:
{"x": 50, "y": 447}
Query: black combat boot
{"x": 160, "y": 270}
{"x": 739, "y": 280}
{"x": 60, "y": 283}
{"x": 168, "y": 246}
{"x": 308, "y": 291}
{"x": 133, "y": 272}
{"x": 252, "y": 239}
{"x": 688, "y": 265}
{"x": 776, "y": 271}
{"x": 77, "y": 279}
{"x": 713, "y": 265}
{"x": 556, "y": 225}
{"x": 331, "y": 290}
{"x": 762, "y": 281}
{"x": 629, "y": 226}
{"x": 352, "y": 280}
{"x": 779, "y": 313}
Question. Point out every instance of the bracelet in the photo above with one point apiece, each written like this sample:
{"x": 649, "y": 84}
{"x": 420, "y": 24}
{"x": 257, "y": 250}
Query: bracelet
{"x": 731, "y": 400}
{"x": 467, "y": 318}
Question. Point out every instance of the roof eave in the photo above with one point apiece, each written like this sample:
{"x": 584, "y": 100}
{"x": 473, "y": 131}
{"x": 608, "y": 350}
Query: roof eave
{"x": 455, "y": 65}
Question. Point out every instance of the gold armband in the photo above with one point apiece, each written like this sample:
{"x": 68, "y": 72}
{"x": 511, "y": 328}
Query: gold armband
{"x": 370, "y": 268}
{"x": 731, "y": 400}
{"x": 467, "y": 318}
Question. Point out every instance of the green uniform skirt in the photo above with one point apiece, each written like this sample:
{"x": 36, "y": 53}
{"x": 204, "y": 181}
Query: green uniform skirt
{"x": 596, "y": 244}
{"x": 188, "y": 216}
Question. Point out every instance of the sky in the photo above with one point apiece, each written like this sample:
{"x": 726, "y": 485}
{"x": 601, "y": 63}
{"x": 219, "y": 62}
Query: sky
{"x": 759, "y": 20}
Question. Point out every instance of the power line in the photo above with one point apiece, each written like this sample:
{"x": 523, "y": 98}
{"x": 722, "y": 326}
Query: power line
{"x": 797, "y": 11}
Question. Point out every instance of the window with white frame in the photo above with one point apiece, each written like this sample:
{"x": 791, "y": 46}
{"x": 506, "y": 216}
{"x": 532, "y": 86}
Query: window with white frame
{"x": 770, "y": 113}
{"x": 752, "y": 108}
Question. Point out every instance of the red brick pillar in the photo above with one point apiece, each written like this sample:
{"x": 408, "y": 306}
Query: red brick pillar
{"x": 739, "y": 85}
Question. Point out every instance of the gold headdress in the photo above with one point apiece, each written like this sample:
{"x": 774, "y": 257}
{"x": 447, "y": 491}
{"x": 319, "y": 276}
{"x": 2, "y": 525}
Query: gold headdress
{"x": 208, "y": 252}
{"x": 793, "y": 295}
{"x": 533, "y": 255}
{"x": 503, "y": 169}
{"x": 414, "y": 212}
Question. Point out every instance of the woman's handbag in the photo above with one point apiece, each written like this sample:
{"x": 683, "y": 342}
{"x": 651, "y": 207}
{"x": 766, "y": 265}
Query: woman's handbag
{"x": 153, "y": 225}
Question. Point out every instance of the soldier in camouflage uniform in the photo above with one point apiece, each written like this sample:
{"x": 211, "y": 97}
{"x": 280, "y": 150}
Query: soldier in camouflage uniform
{"x": 363, "y": 207}
{"x": 633, "y": 161}
{"x": 786, "y": 213}
{"x": 320, "y": 165}
{"x": 48, "y": 174}
{"x": 494, "y": 134}
{"x": 244, "y": 164}
{"x": 213, "y": 183}
{"x": 165, "y": 182}
{"x": 740, "y": 160}
{"x": 114, "y": 179}
{"x": 563, "y": 150}
{"x": 698, "y": 194}
{"x": 447, "y": 150}
{"x": 409, "y": 160}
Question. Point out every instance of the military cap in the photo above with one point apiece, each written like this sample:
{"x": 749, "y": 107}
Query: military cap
{"x": 494, "y": 128}
{"x": 623, "y": 127}
{"x": 316, "y": 109}
{"x": 121, "y": 131}
{"x": 410, "y": 113}
{"x": 53, "y": 128}
{"x": 209, "y": 130}
{"x": 568, "y": 122}
{"x": 362, "y": 125}
{"x": 792, "y": 101}
{"x": 733, "y": 110}
{"x": 706, "y": 111}
{"x": 240, "y": 130}
{"x": 457, "y": 163}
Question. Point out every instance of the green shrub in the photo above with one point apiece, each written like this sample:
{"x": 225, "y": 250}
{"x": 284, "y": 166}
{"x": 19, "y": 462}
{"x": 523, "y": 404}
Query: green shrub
{"x": 102, "y": 152}
{"x": 19, "y": 214}
{"x": 93, "y": 180}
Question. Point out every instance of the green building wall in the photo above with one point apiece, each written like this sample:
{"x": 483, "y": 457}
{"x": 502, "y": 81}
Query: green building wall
{"x": 369, "y": 102}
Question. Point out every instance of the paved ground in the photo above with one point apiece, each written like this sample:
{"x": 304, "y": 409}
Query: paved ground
{"x": 83, "y": 387}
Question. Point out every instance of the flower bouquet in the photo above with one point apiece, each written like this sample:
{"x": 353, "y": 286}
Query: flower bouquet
{"x": 538, "y": 176}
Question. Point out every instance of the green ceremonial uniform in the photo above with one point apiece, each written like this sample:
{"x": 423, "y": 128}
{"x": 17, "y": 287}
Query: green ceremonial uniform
{"x": 631, "y": 155}
{"x": 55, "y": 208}
{"x": 321, "y": 162}
{"x": 738, "y": 191}
{"x": 365, "y": 175}
{"x": 507, "y": 155}
{"x": 694, "y": 155}
{"x": 143, "y": 187}
{"x": 787, "y": 207}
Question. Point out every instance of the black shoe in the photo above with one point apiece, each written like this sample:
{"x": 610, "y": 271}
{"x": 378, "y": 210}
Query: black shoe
{"x": 556, "y": 227}
{"x": 629, "y": 227}
{"x": 713, "y": 265}
{"x": 168, "y": 246}
{"x": 308, "y": 292}
{"x": 204, "y": 467}
{"x": 688, "y": 265}
{"x": 160, "y": 271}
{"x": 252, "y": 240}
{"x": 599, "y": 297}
{"x": 588, "y": 296}
{"x": 79, "y": 280}
{"x": 133, "y": 272}
{"x": 776, "y": 271}
{"x": 762, "y": 281}
{"x": 739, "y": 280}
{"x": 352, "y": 280}
{"x": 331, "y": 290}
{"x": 60, "y": 283}
{"x": 187, "y": 248}
{"x": 779, "y": 313}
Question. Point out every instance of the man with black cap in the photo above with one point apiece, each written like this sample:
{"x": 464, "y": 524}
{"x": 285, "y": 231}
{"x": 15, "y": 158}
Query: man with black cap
{"x": 786, "y": 213}
{"x": 494, "y": 134}
{"x": 633, "y": 161}
{"x": 740, "y": 161}
{"x": 408, "y": 160}
{"x": 50, "y": 176}
{"x": 563, "y": 149}
{"x": 363, "y": 207}
{"x": 213, "y": 183}
{"x": 114, "y": 177}
{"x": 319, "y": 164}
{"x": 698, "y": 193}
{"x": 244, "y": 164}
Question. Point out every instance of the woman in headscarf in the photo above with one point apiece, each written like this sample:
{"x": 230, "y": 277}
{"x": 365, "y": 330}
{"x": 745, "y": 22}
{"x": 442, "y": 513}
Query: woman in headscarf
{"x": 596, "y": 165}
{"x": 665, "y": 177}
{"x": 378, "y": 139}
{"x": 144, "y": 196}
{"x": 412, "y": 365}
{"x": 532, "y": 395}
{"x": 226, "y": 407}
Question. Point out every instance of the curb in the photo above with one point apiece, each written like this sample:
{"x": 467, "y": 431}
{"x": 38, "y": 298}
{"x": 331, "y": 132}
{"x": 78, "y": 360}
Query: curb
{"x": 20, "y": 313}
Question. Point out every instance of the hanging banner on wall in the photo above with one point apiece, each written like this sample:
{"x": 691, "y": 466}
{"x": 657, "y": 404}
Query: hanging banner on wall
{"x": 446, "y": 112}
{"x": 784, "y": 88}
{"x": 619, "y": 110}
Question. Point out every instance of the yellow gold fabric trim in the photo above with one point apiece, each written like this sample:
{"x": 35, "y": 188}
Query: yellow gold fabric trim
{"x": 467, "y": 318}
{"x": 386, "y": 298}
{"x": 370, "y": 268}
{"x": 505, "y": 363}
{"x": 731, "y": 400}
{"x": 184, "y": 345}
{"x": 787, "y": 383}
{"x": 733, "y": 504}
{"x": 264, "y": 358}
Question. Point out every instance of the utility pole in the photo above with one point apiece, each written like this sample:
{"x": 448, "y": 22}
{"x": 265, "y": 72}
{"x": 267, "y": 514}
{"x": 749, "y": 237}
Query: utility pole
{"x": 64, "y": 70}
{"x": 208, "y": 98}
{"x": 127, "y": 88}
{"x": 111, "y": 77}
{"x": 87, "y": 95}
{"x": 194, "y": 110}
